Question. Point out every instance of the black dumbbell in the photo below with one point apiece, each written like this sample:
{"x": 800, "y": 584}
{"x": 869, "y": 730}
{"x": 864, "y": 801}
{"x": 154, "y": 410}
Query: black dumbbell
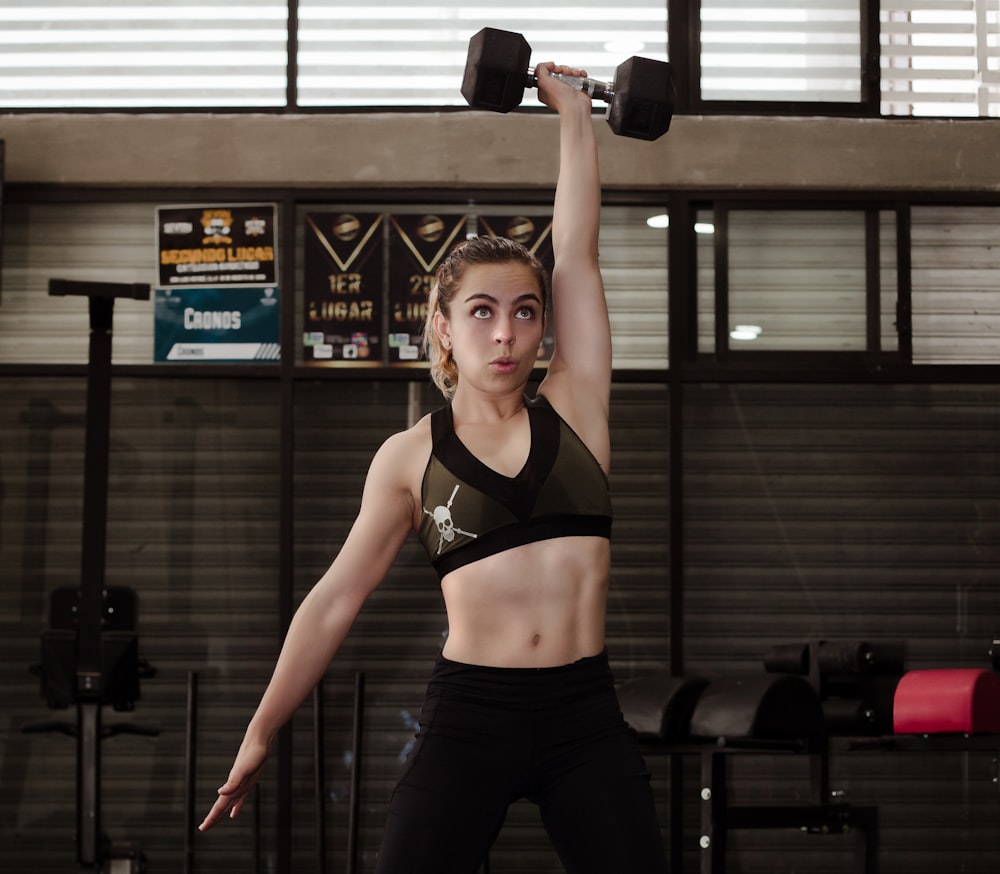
{"x": 640, "y": 100}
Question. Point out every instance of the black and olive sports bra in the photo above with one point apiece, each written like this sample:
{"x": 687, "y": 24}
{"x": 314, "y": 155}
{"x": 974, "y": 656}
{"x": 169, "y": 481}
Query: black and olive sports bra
{"x": 470, "y": 511}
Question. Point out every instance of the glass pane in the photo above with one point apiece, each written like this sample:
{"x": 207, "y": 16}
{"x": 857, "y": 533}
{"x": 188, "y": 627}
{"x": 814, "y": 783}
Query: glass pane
{"x": 391, "y": 54}
{"x": 118, "y": 53}
{"x": 940, "y": 59}
{"x": 797, "y": 280}
{"x": 634, "y": 264}
{"x": 956, "y": 306}
{"x": 98, "y": 242}
{"x": 706, "y": 281}
{"x": 781, "y": 50}
{"x": 888, "y": 283}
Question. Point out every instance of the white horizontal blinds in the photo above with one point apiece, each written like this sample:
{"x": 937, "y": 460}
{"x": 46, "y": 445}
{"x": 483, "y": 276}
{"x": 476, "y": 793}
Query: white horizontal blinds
{"x": 955, "y": 285}
{"x": 118, "y": 53}
{"x": 797, "y": 280}
{"x": 395, "y": 54}
{"x": 781, "y": 50}
{"x": 634, "y": 266}
{"x": 940, "y": 57}
{"x": 705, "y": 255}
{"x": 89, "y": 242}
{"x": 888, "y": 282}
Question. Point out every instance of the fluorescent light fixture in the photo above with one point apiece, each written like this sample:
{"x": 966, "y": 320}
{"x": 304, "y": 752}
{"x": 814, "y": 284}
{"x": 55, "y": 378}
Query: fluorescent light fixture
{"x": 624, "y": 46}
{"x": 745, "y": 332}
{"x": 663, "y": 221}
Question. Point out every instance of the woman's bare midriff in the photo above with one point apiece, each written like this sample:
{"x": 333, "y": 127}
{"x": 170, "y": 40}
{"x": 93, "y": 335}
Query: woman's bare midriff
{"x": 538, "y": 605}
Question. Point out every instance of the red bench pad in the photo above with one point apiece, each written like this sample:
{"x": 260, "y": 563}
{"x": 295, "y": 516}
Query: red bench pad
{"x": 947, "y": 700}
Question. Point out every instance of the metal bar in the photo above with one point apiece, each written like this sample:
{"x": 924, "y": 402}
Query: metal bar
{"x": 88, "y": 784}
{"x": 904, "y": 279}
{"x": 714, "y": 808}
{"x": 286, "y": 517}
{"x": 95, "y": 499}
{"x": 319, "y": 778}
{"x": 292, "y": 58}
{"x": 873, "y": 283}
{"x": 256, "y": 830}
{"x": 682, "y": 294}
{"x": 676, "y": 811}
{"x": 190, "y": 769}
{"x": 356, "y": 751}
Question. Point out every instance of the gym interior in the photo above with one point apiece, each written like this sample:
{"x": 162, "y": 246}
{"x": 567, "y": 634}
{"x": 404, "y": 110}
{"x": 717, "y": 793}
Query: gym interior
{"x": 804, "y": 616}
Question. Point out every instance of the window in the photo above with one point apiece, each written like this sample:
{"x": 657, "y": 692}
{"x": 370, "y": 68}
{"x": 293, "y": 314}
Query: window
{"x": 168, "y": 53}
{"x": 796, "y": 280}
{"x": 941, "y": 58}
{"x": 781, "y": 50}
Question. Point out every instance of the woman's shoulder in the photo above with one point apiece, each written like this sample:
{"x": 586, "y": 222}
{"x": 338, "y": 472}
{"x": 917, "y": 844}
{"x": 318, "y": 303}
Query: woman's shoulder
{"x": 408, "y": 449}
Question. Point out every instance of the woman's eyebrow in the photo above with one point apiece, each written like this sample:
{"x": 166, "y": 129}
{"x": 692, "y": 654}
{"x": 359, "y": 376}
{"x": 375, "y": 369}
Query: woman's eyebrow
{"x": 489, "y": 298}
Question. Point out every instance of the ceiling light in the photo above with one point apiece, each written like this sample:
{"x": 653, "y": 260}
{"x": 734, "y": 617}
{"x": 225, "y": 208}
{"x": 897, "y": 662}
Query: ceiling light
{"x": 624, "y": 46}
{"x": 663, "y": 221}
{"x": 745, "y": 332}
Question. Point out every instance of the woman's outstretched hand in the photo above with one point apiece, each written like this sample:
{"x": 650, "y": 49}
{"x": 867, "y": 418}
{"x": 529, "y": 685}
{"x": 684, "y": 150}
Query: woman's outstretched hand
{"x": 244, "y": 774}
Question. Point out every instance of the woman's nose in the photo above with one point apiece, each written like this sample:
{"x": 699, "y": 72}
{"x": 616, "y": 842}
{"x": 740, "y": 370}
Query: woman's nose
{"x": 503, "y": 332}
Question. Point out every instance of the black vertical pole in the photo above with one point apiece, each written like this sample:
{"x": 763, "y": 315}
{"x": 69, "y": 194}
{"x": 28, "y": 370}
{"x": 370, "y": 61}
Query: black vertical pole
{"x": 91, "y": 604}
{"x": 682, "y": 297}
{"x": 286, "y": 522}
{"x": 355, "y": 802}
{"x": 190, "y": 769}
{"x": 319, "y": 777}
{"x": 90, "y": 692}
{"x": 88, "y": 784}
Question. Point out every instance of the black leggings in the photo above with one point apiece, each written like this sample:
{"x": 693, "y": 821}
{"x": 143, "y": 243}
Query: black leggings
{"x": 556, "y": 736}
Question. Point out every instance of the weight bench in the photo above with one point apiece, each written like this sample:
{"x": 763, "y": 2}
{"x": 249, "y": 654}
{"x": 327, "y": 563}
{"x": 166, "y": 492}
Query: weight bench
{"x": 762, "y": 714}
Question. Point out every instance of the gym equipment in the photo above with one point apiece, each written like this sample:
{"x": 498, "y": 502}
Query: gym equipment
{"x": 767, "y": 706}
{"x": 640, "y": 99}
{"x": 90, "y": 652}
{"x": 855, "y": 680}
{"x": 947, "y": 701}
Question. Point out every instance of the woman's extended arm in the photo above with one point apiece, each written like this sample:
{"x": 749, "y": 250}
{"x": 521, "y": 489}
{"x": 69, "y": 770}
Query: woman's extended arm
{"x": 579, "y": 377}
{"x": 324, "y": 618}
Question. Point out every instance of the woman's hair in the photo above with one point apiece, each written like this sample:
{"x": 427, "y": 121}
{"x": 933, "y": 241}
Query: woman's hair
{"x": 448, "y": 279}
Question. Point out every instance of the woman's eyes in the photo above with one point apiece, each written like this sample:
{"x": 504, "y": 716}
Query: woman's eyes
{"x": 485, "y": 312}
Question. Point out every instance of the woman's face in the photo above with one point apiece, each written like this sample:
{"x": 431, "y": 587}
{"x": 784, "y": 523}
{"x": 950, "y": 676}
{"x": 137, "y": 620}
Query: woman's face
{"x": 495, "y": 326}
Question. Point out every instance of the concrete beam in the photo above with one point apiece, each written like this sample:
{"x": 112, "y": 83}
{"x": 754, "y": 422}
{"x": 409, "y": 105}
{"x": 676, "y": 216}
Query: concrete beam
{"x": 484, "y": 150}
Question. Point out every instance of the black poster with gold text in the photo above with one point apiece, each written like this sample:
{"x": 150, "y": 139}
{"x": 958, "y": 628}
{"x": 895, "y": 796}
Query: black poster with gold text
{"x": 343, "y": 264}
{"x": 417, "y": 245}
{"x": 534, "y": 232}
{"x": 217, "y": 245}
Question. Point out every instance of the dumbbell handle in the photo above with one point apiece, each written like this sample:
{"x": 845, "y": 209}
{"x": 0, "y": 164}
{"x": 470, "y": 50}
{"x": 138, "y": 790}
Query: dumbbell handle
{"x": 595, "y": 88}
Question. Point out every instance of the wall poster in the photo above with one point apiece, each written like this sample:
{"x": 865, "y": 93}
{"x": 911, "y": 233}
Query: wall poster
{"x": 217, "y": 245}
{"x": 216, "y": 324}
{"x": 417, "y": 245}
{"x": 367, "y": 278}
{"x": 217, "y": 298}
{"x": 343, "y": 263}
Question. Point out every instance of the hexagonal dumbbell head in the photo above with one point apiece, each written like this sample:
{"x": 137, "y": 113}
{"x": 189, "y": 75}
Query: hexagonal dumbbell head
{"x": 496, "y": 70}
{"x": 643, "y": 104}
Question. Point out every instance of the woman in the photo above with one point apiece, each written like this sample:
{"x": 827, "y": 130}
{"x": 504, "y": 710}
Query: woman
{"x": 510, "y": 498}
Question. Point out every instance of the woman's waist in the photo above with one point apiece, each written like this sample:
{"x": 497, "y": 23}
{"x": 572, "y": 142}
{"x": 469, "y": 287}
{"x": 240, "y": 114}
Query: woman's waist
{"x": 522, "y": 686}
{"x": 517, "y": 614}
